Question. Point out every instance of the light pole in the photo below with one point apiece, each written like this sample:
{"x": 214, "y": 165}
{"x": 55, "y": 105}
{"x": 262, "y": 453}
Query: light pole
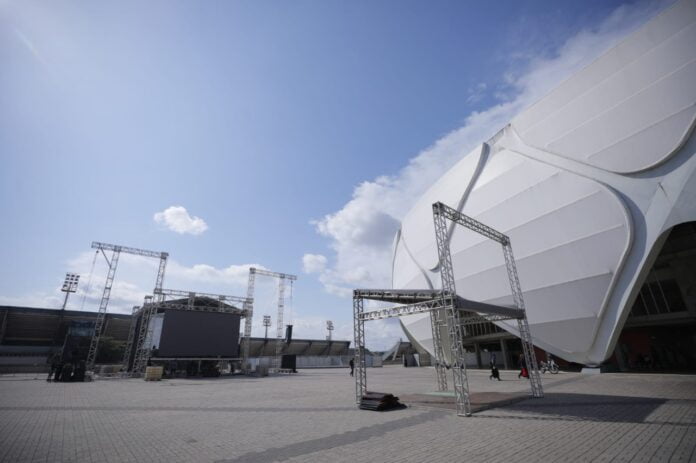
{"x": 330, "y": 328}
{"x": 69, "y": 286}
{"x": 266, "y": 323}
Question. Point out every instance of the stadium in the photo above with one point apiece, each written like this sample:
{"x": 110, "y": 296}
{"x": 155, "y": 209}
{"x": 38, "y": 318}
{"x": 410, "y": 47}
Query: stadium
{"x": 595, "y": 185}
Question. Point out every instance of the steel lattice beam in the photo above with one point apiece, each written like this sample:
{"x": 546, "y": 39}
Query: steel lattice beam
{"x": 402, "y": 310}
{"x": 128, "y": 250}
{"x": 449, "y": 213}
{"x": 404, "y": 296}
{"x": 220, "y": 297}
{"x": 199, "y": 308}
{"x": 486, "y": 312}
{"x": 269, "y": 273}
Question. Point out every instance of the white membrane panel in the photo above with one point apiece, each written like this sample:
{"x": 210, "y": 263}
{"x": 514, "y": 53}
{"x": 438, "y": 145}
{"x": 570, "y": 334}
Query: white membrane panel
{"x": 587, "y": 183}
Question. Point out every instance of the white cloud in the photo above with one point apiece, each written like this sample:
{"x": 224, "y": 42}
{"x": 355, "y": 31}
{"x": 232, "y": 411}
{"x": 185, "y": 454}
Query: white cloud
{"x": 361, "y": 232}
{"x": 313, "y": 263}
{"x": 476, "y": 93}
{"x": 135, "y": 278}
{"x": 40, "y": 300}
{"x": 177, "y": 219}
{"x": 237, "y": 275}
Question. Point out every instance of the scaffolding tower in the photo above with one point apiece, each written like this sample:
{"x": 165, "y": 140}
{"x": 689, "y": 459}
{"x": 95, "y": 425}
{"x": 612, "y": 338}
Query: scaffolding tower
{"x": 116, "y": 251}
{"x": 136, "y": 313}
{"x": 283, "y": 278}
{"x": 448, "y": 312}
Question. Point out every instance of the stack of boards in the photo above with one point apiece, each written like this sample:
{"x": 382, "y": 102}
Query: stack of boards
{"x": 380, "y": 401}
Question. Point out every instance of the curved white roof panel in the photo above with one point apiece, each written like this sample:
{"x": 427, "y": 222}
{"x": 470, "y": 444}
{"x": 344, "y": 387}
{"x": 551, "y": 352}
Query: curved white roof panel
{"x": 562, "y": 181}
{"x": 628, "y": 110}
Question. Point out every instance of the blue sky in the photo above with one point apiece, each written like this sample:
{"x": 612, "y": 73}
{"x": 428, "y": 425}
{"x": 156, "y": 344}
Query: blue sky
{"x": 291, "y": 130}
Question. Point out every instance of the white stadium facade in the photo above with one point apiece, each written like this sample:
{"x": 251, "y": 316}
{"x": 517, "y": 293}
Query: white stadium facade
{"x": 596, "y": 186}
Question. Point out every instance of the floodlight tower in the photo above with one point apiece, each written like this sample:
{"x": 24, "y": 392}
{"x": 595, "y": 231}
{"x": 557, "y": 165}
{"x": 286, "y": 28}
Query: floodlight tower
{"x": 266, "y": 324}
{"x": 330, "y": 328}
{"x": 69, "y": 286}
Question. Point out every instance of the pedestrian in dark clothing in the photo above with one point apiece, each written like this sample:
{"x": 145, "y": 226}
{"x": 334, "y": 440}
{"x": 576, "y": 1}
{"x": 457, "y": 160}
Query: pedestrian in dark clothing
{"x": 79, "y": 371}
{"x": 57, "y": 376}
{"x": 66, "y": 373}
{"x": 352, "y": 366}
{"x": 495, "y": 374}
{"x": 55, "y": 362}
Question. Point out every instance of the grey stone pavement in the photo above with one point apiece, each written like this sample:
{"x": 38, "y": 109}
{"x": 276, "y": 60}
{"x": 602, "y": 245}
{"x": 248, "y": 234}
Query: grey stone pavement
{"x": 311, "y": 417}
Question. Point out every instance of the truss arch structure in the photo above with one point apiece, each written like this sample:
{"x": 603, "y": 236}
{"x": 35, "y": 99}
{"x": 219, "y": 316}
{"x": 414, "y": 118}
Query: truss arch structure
{"x": 449, "y": 312}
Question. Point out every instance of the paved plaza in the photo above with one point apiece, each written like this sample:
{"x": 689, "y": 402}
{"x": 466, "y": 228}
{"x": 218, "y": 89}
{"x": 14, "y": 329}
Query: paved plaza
{"x": 311, "y": 417}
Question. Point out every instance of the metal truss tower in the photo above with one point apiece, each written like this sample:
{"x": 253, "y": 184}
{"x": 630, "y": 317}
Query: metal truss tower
{"x": 447, "y": 310}
{"x": 453, "y": 323}
{"x": 523, "y": 324}
{"x": 282, "y": 279}
{"x": 441, "y": 214}
{"x": 436, "y": 322}
{"x": 101, "y": 313}
{"x": 142, "y": 351}
{"x": 279, "y": 325}
{"x": 249, "y": 309}
{"x": 359, "y": 346}
{"x": 113, "y": 263}
{"x": 135, "y": 314}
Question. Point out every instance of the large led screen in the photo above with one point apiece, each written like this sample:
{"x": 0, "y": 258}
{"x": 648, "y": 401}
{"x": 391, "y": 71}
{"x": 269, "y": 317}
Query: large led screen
{"x": 199, "y": 334}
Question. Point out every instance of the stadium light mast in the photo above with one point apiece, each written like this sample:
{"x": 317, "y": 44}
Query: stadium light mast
{"x": 266, "y": 324}
{"x": 330, "y": 328}
{"x": 69, "y": 286}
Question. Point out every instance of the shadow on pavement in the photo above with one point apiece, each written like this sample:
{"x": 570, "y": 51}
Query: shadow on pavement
{"x": 584, "y": 407}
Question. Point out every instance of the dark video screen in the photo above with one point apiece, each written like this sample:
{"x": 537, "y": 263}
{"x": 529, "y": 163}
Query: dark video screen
{"x": 199, "y": 334}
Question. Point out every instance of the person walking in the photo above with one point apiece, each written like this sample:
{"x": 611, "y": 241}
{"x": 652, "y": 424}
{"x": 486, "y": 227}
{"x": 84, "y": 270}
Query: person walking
{"x": 523, "y": 367}
{"x": 495, "y": 374}
{"x": 352, "y": 366}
